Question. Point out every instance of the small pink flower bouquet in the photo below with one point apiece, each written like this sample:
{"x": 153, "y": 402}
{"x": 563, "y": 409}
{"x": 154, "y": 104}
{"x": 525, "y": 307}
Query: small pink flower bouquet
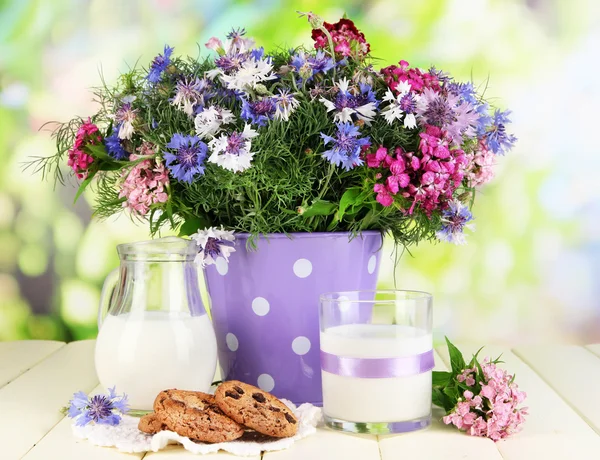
{"x": 479, "y": 398}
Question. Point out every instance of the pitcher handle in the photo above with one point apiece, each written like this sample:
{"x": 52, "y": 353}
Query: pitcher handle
{"x": 110, "y": 283}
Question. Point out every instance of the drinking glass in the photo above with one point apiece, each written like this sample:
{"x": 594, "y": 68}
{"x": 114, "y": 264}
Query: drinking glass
{"x": 376, "y": 360}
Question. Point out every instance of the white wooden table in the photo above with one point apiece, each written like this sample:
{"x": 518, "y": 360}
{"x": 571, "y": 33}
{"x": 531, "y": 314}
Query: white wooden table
{"x": 37, "y": 378}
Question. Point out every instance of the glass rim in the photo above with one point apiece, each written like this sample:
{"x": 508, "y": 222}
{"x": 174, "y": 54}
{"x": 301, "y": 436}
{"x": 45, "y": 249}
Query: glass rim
{"x": 169, "y": 248}
{"x": 420, "y": 295}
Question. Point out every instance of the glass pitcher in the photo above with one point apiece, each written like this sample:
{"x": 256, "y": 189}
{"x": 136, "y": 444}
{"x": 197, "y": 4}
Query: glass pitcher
{"x": 154, "y": 333}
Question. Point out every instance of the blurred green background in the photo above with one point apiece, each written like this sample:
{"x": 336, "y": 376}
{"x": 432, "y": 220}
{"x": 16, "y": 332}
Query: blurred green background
{"x": 530, "y": 271}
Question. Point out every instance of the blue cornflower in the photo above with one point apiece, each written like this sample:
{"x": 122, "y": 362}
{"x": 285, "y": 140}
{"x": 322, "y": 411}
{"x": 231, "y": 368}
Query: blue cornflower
{"x": 466, "y": 91}
{"x": 348, "y": 102}
{"x": 308, "y": 66}
{"x": 259, "y": 111}
{"x": 113, "y": 145}
{"x": 257, "y": 53}
{"x": 188, "y": 160}
{"x": 496, "y": 137}
{"x": 101, "y": 409}
{"x": 159, "y": 65}
{"x": 455, "y": 218}
{"x": 346, "y": 146}
{"x": 320, "y": 62}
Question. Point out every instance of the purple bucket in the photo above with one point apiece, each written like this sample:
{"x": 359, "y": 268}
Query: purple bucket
{"x": 265, "y": 305}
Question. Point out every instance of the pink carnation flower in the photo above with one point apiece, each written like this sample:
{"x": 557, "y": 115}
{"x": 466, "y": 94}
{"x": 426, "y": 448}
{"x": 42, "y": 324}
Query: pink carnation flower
{"x": 427, "y": 178}
{"x": 482, "y": 164}
{"x": 79, "y": 160}
{"x": 144, "y": 185}
{"x": 418, "y": 79}
{"x": 494, "y": 412}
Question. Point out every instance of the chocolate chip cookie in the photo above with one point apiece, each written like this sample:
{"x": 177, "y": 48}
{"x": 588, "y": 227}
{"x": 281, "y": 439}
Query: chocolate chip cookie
{"x": 150, "y": 424}
{"x": 195, "y": 415}
{"x": 256, "y": 409}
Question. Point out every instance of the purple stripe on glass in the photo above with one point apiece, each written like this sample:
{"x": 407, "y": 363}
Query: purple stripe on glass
{"x": 377, "y": 368}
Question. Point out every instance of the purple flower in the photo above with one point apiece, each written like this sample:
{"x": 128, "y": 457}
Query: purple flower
{"x": 348, "y": 102}
{"x": 259, "y": 111}
{"x": 191, "y": 93}
{"x": 449, "y": 113}
{"x": 496, "y": 137}
{"x": 345, "y": 146}
{"x": 188, "y": 160}
{"x": 213, "y": 243}
{"x": 159, "y": 65}
{"x": 455, "y": 219}
{"x": 100, "y": 409}
{"x": 113, "y": 145}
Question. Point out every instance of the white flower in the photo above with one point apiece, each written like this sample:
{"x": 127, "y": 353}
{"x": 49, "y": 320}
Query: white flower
{"x": 233, "y": 151}
{"x": 125, "y": 116}
{"x": 209, "y": 121}
{"x": 126, "y": 130}
{"x": 252, "y": 72}
{"x": 285, "y": 104}
{"x": 189, "y": 93}
{"x": 213, "y": 243}
{"x": 345, "y": 104}
{"x": 403, "y": 104}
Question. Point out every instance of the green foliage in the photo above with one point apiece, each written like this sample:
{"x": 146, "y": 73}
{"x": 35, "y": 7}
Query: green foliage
{"x": 447, "y": 390}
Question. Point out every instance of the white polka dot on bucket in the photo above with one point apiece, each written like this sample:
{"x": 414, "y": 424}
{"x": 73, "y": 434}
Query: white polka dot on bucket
{"x": 301, "y": 345}
{"x": 302, "y": 268}
{"x": 372, "y": 264}
{"x": 265, "y": 382}
{"x": 232, "y": 341}
{"x": 344, "y": 303}
{"x": 222, "y": 266}
{"x": 261, "y": 306}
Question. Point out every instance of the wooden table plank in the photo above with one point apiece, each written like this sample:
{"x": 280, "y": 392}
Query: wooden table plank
{"x": 179, "y": 453}
{"x": 61, "y": 439}
{"x": 552, "y": 430}
{"x": 573, "y": 372}
{"x": 438, "y": 441}
{"x": 19, "y": 356}
{"x": 329, "y": 444}
{"x": 30, "y": 404}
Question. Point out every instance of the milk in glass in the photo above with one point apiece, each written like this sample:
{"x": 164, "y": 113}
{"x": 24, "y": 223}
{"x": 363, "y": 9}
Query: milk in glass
{"x": 145, "y": 352}
{"x": 376, "y": 400}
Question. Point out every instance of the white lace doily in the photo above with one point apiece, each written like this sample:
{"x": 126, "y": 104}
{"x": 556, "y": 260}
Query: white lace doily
{"x": 127, "y": 438}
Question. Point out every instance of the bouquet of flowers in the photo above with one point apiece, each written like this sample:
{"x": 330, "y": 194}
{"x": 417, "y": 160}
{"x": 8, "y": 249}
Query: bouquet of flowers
{"x": 479, "y": 398}
{"x": 292, "y": 140}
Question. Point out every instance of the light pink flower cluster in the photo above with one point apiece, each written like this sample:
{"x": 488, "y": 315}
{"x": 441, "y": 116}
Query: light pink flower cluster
{"x": 428, "y": 178}
{"x": 144, "y": 185}
{"x": 494, "y": 412}
{"x": 78, "y": 160}
{"x": 482, "y": 163}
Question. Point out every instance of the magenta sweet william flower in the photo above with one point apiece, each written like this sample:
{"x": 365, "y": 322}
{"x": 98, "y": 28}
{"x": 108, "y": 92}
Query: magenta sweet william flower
{"x": 427, "y": 178}
{"x": 145, "y": 184}
{"x": 79, "y": 160}
{"x": 417, "y": 78}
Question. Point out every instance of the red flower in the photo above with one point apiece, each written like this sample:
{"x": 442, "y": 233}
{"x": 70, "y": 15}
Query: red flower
{"x": 347, "y": 39}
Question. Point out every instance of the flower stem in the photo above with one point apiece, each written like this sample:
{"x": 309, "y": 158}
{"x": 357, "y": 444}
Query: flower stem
{"x": 331, "y": 47}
